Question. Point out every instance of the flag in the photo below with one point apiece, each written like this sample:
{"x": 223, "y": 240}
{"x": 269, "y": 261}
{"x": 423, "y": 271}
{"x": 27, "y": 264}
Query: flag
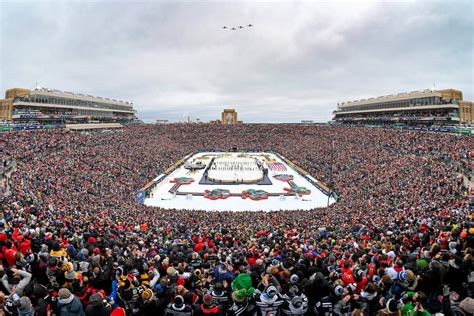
{"x": 276, "y": 166}
{"x": 140, "y": 196}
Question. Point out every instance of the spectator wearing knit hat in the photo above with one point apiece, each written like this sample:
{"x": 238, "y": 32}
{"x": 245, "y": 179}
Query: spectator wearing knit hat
{"x": 148, "y": 304}
{"x": 467, "y": 305}
{"x": 102, "y": 276}
{"x": 97, "y": 307}
{"x": 178, "y": 308}
{"x": 25, "y": 308}
{"x": 54, "y": 273}
{"x": 268, "y": 301}
{"x": 68, "y": 304}
{"x": 220, "y": 295}
{"x": 392, "y": 308}
{"x": 208, "y": 307}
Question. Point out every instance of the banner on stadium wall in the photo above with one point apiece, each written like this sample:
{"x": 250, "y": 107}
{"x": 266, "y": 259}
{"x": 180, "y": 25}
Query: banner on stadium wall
{"x": 11, "y": 128}
{"x": 425, "y": 129}
{"x": 140, "y": 196}
{"x": 463, "y": 131}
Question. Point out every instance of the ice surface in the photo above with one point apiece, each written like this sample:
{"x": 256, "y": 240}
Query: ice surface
{"x": 161, "y": 197}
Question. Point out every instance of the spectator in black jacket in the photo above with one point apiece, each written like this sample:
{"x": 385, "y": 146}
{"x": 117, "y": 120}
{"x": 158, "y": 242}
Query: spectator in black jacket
{"x": 101, "y": 279}
{"x": 97, "y": 307}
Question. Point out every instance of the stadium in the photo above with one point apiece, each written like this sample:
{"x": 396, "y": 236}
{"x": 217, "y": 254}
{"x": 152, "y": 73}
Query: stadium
{"x": 403, "y": 206}
{"x": 236, "y": 158}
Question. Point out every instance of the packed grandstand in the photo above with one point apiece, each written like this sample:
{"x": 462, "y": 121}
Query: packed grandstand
{"x": 400, "y": 240}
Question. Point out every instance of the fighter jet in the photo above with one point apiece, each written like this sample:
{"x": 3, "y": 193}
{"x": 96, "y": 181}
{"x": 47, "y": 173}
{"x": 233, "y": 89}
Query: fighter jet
{"x": 236, "y": 27}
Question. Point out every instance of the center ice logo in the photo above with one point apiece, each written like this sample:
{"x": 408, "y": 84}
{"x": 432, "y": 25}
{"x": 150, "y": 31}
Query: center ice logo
{"x": 255, "y": 195}
{"x": 182, "y": 180}
{"x": 298, "y": 191}
{"x": 284, "y": 177}
{"x": 217, "y": 194}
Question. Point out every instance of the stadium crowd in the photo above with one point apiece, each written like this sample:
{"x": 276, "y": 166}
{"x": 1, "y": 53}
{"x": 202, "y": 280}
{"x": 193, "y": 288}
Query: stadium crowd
{"x": 400, "y": 241}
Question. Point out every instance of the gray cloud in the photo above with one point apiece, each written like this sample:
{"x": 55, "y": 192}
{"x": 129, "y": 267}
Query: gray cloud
{"x": 172, "y": 59}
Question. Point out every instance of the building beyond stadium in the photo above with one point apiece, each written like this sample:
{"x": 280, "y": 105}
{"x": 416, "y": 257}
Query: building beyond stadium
{"x": 49, "y": 106}
{"x": 425, "y": 107}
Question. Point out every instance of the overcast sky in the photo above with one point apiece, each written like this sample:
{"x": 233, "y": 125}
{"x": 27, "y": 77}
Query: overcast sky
{"x": 173, "y": 58}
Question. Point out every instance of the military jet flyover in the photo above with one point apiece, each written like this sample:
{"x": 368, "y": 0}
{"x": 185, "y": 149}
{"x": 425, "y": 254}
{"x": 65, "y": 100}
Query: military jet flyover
{"x": 235, "y": 28}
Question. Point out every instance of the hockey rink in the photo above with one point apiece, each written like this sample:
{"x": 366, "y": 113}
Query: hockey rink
{"x": 236, "y": 181}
